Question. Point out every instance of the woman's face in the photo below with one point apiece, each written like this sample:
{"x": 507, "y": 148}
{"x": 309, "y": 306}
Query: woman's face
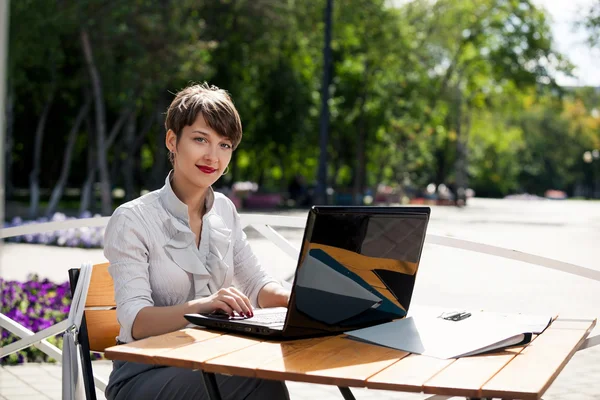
{"x": 201, "y": 155}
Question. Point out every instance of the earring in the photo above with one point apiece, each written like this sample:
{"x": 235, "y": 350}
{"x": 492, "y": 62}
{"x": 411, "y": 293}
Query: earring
{"x": 226, "y": 171}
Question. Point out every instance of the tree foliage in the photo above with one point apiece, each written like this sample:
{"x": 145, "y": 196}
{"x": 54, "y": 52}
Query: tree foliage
{"x": 444, "y": 91}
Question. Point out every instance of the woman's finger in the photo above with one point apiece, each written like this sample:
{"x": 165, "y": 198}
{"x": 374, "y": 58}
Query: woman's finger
{"x": 221, "y": 305}
{"x": 232, "y": 302}
{"x": 239, "y": 298}
{"x": 246, "y": 300}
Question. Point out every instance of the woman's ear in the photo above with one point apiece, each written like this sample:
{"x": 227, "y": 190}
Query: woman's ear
{"x": 171, "y": 141}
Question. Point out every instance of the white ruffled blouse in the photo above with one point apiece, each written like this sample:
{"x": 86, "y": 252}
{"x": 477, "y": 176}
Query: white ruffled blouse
{"x": 154, "y": 260}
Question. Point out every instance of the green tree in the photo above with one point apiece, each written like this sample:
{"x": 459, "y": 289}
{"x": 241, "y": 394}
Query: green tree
{"x": 591, "y": 22}
{"x": 486, "y": 46}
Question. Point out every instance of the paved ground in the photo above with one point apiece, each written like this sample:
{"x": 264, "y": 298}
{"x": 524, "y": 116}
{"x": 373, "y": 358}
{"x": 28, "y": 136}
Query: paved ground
{"x": 568, "y": 231}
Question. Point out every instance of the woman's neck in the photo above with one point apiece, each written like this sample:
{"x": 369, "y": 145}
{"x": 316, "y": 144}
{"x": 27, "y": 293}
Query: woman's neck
{"x": 191, "y": 195}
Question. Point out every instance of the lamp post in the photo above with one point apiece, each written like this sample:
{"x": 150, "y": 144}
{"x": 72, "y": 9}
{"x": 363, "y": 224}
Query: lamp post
{"x": 321, "y": 190}
{"x": 4, "y": 9}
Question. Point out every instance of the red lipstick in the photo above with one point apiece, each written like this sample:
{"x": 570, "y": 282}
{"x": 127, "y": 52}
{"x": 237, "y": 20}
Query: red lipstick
{"x": 205, "y": 169}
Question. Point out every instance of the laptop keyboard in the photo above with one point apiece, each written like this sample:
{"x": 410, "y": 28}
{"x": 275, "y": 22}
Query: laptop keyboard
{"x": 264, "y": 316}
{"x": 271, "y": 318}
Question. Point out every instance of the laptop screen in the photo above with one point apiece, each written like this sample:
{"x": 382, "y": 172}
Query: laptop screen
{"x": 357, "y": 266}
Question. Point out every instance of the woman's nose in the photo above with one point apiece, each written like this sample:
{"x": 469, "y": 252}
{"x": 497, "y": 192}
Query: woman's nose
{"x": 211, "y": 154}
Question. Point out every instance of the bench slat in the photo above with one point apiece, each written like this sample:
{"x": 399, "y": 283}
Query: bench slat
{"x": 409, "y": 374}
{"x": 102, "y": 327}
{"x": 145, "y": 350}
{"x": 244, "y": 362}
{"x": 101, "y": 292}
{"x": 467, "y": 375}
{"x": 339, "y": 361}
{"x": 531, "y": 372}
{"x": 194, "y": 355}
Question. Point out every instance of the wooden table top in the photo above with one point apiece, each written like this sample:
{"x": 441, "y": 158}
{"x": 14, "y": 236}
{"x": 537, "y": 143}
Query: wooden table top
{"x": 519, "y": 372}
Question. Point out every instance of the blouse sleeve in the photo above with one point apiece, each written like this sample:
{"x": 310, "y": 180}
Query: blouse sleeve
{"x": 126, "y": 249}
{"x": 249, "y": 276}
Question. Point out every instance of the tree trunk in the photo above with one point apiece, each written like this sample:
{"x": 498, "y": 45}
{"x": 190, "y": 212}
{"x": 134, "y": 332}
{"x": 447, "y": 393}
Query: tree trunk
{"x": 142, "y": 177}
{"x": 441, "y": 155}
{"x": 360, "y": 171}
{"x": 115, "y": 167}
{"x": 34, "y": 184}
{"x": 462, "y": 134}
{"x": 149, "y": 122}
{"x": 379, "y": 174}
{"x": 117, "y": 127}
{"x": 160, "y": 166}
{"x": 86, "y": 189}
{"x": 105, "y": 188}
{"x": 129, "y": 160}
{"x": 10, "y": 119}
{"x": 321, "y": 192}
{"x": 336, "y": 161}
{"x": 139, "y": 140}
{"x": 93, "y": 168}
{"x": 282, "y": 164}
{"x": 68, "y": 155}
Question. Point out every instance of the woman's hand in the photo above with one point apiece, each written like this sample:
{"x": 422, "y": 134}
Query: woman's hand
{"x": 152, "y": 321}
{"x": 227, "y": 299}
{"x": 273, "y": 295}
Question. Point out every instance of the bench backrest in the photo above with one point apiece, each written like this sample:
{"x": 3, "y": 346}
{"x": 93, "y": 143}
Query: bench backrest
{"x": 100, "y": 309}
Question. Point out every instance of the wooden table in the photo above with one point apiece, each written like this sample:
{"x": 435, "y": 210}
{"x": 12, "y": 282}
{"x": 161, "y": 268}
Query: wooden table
{"x": 516, "y": 373}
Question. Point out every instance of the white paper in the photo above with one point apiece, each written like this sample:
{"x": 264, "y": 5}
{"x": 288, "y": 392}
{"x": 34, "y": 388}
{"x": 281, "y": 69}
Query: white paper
{"x": 432, "y": 336}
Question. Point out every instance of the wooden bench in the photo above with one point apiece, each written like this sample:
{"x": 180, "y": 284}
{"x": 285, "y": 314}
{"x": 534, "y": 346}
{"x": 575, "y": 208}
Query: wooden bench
{"x": 99, "y": 327}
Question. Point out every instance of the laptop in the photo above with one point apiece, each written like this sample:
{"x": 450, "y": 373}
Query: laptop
{"x": 357, "y": 268}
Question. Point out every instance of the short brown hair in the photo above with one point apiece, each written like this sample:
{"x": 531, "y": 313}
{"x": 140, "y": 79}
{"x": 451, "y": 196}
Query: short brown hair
{"x": 213, "y": 103}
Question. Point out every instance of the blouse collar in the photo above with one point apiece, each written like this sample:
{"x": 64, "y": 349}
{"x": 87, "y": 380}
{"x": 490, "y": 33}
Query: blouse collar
{"x": 207, "y": 262}
{"x": 178, "y": 208}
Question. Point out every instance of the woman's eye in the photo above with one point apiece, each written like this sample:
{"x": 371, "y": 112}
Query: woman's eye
{"x": 200, "y": 139}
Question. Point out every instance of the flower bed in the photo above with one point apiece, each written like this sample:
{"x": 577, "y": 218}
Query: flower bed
{"x": 36, "y": 304}
{"x": 81, "y": 237}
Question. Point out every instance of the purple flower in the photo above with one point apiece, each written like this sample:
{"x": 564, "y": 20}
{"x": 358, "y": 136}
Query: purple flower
{"x": 44, "y": 323}
{"x": 81, "y": 237}
{"x": 85, "y": 214}
{"x": 36, "y": 304}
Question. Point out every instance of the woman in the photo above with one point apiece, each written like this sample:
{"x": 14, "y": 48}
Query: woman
{"x": 181, "y": 249}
